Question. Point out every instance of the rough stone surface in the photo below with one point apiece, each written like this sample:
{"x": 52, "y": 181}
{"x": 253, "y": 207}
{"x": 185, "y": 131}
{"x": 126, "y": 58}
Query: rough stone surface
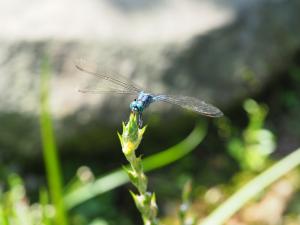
{"x": 221, "y": 51}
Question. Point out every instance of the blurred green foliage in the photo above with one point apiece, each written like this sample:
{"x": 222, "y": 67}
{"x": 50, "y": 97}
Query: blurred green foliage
{"x": 88, "y": 198}
{"x": 253, "y": 147}
{"x": 16, "y": 209}
{"x": 184, "y": 217}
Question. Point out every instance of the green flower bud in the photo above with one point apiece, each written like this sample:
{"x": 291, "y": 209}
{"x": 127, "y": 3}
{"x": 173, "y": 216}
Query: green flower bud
{"x": 131, "y": 136}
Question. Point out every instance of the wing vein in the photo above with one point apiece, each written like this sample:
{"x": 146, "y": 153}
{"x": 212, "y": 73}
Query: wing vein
{"x": 125, "y": 83}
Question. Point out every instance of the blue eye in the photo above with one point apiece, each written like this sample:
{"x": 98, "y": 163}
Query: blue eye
{"x": 134, "y": 106}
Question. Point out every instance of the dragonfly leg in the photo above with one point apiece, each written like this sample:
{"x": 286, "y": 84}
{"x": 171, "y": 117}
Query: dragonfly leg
{"x": 140, "y": 120}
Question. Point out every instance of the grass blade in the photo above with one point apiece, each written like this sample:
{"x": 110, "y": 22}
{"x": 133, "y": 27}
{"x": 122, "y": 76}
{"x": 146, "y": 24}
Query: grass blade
{"x": 49, "y": 148}
{"x": 250, "y": 190}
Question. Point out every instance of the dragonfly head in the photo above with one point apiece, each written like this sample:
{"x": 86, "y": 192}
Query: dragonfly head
{"x": 136, "y": 106}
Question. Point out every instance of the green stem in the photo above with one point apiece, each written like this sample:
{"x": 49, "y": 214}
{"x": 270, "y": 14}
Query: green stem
{"x": 250, "y": 190}
{"x": 119, "y": 177}
{"x": 49, "y": 149}
{"x": 145, "y": 201}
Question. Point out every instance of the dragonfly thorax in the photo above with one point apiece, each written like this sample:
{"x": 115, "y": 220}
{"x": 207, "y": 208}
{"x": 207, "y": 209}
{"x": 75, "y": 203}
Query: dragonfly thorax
{"x": 143, "y": 101}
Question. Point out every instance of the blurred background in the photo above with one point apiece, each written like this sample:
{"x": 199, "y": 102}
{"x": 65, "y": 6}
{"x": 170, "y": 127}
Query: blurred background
{"x": 242, "y": 56}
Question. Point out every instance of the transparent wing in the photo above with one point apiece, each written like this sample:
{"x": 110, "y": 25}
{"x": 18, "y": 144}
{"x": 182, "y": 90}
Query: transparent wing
{"x": 107, "y": 92}
{"x": 192, "y": 104}
{"x": 106, "y": 81}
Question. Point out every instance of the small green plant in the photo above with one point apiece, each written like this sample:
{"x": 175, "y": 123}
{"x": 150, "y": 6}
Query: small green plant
{"x": 184, "y": 218}
{"x": 16, "y": 209}
{"x": 253, "y": 148}
{"x": 145, "y": 201}
{"x": 76, "y": 193}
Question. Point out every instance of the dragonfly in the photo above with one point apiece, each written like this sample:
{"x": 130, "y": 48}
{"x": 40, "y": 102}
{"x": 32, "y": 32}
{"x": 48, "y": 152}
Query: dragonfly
{"x": 117, "y": 84}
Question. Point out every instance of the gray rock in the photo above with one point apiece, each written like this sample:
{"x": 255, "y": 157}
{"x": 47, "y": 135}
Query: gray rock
{"x": 220, "y": 51}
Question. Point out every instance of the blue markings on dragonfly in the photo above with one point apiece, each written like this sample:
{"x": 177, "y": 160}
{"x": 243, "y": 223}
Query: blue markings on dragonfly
{"x": 116, "y": 84}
